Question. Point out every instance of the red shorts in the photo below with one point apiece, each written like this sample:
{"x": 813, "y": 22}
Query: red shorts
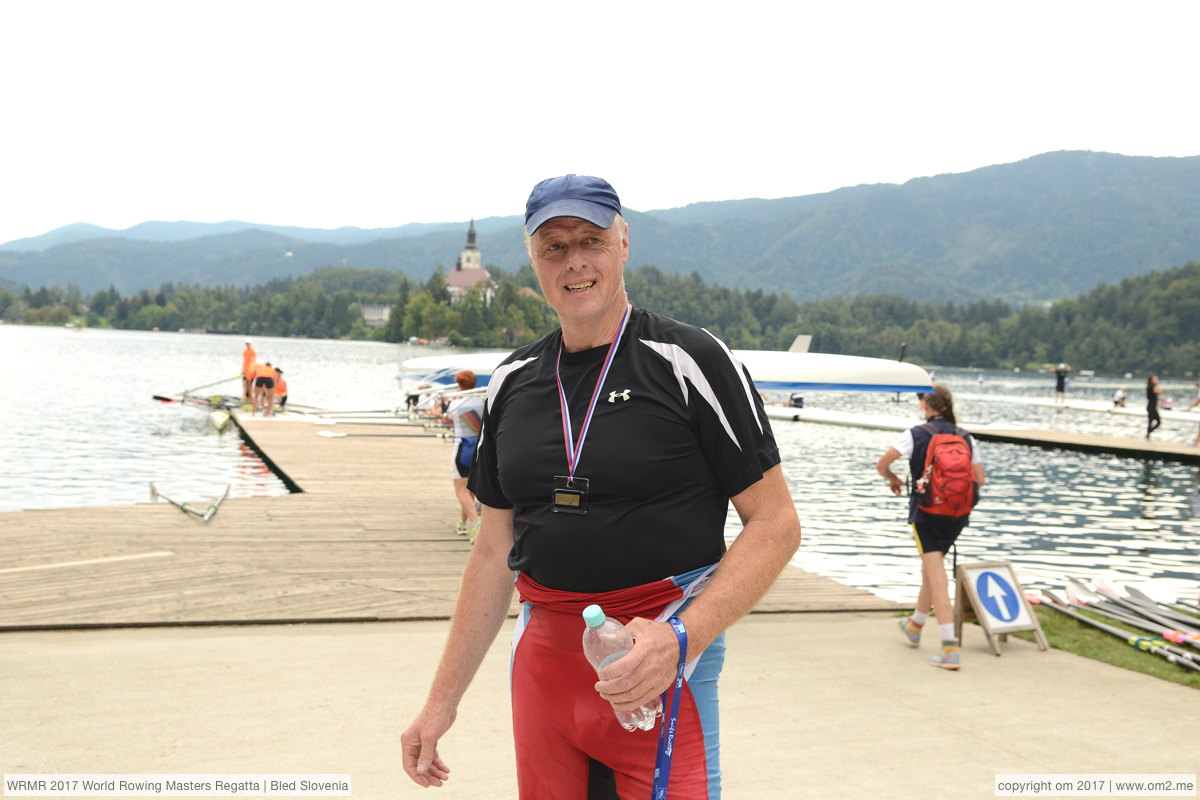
{"x": 569, "y": 744}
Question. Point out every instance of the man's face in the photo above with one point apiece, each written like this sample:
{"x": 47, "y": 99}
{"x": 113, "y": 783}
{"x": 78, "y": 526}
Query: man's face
{"x": 580, "y": 267}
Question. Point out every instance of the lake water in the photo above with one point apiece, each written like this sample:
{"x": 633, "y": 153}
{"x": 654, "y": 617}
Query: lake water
{"x": 80, "y": 429}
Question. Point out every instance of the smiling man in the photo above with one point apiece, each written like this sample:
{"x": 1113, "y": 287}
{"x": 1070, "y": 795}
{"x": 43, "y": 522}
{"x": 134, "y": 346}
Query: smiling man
{"x": 634, "y": 522}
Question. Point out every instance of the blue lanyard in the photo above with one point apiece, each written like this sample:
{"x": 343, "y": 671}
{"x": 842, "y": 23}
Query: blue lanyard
{"x": 575, "y": 450}
{"x": 666, "y": 734}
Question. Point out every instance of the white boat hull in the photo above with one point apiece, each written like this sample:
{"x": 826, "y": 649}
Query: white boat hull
{"x": 770, "y": 369}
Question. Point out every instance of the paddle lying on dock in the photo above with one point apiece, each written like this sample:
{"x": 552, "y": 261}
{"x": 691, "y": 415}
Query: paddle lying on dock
{"x": 1096, "y": 603}
{"x": 393, "y": 412}
{"x": 204, "y": 516}
{"x": 1190, "y": 635}
{"x": 1176, "y": 610}
{"x": 340, "y": 435}
{"x": 216, "y": 505}
{"x": 155, "y": 495}
{"x": 1149, "y": 645}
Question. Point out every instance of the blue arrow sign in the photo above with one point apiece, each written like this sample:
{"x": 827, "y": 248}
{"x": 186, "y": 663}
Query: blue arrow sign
{"x": 998, "y": 596}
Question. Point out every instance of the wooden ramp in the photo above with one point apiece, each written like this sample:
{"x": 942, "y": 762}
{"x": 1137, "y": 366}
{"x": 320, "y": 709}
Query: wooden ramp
{"x": 370, "y": 537}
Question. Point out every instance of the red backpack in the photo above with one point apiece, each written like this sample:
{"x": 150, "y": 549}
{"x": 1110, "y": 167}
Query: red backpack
{"x": 946, "y": 488}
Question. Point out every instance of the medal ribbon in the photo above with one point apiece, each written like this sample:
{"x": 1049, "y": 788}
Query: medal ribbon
{"x": 575, "y": 449}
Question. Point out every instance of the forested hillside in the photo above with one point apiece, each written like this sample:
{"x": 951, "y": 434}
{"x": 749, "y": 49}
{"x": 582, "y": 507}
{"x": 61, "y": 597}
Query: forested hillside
{"x": 1145, "y": 324}
{"x": 1148, "y": 323}
{"x": 1042, "y": 229}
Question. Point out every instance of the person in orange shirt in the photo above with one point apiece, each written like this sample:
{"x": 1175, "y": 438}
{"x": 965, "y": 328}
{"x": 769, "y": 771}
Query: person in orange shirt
{"x": 252, "y": 372}
{"x": 264, "y": 389}
{"x": 281, "y": 389}
{"x": 248, "y": 356}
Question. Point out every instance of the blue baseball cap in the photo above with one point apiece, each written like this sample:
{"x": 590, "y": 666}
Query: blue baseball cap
{"x": 582, "y": 196}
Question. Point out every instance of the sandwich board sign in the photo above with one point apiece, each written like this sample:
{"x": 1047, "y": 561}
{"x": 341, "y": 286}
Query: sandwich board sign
{"x": 990, "y": 592}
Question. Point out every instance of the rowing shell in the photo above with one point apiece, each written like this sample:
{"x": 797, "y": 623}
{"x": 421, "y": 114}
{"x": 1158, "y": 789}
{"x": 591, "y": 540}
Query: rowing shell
{"x": 776, "y": 369}
{"x": 770, "y": 369}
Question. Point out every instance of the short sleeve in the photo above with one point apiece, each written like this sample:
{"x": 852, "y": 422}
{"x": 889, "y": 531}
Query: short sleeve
{"x": 904, "y": 443}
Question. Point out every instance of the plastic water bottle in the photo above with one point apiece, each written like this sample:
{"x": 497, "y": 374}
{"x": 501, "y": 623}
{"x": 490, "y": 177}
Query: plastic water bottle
{"x": 604, "y": 641}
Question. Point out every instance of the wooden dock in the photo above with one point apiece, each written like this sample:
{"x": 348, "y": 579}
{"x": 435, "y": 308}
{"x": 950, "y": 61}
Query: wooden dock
{"x": 1124, "y": 446}
{"x": 370, "y": 537}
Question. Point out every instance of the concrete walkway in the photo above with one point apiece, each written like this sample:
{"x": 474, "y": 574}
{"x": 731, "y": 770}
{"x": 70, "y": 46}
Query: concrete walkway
{"x": 830, "y": 705}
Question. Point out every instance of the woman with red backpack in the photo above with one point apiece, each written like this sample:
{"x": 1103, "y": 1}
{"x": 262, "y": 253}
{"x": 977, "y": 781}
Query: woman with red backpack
{"x": 946, "y": 474}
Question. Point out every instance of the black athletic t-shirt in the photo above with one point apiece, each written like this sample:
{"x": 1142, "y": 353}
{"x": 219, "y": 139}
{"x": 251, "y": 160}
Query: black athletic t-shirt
{"x": 678, "y": 430}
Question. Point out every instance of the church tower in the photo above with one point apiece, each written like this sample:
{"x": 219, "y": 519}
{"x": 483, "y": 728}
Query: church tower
{"x": 470, "y": 257}
{"x": 469, "y": 271}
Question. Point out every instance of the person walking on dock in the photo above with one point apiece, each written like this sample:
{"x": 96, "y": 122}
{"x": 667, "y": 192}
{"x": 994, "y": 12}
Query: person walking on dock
{"x": 466, "y": 415}
{"x": 934, "y": 534}
{"x": 1153, "y": 398}
{"x": 1060, "y": 382}
{"x": 248, "y": 356}
{"x": 674, "y": 432}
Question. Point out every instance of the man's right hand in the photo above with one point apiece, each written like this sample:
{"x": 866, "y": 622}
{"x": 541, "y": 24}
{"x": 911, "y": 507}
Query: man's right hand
{"x": 419, "y": 747}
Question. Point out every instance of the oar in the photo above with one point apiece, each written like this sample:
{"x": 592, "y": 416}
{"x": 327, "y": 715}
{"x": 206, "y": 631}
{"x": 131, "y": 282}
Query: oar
{"x": 1183, "y": 607}
{"x": 237, "y": 377}
{"x": 1134, "y": 611}
{"x": 392, "y": 411}
{"x": 387, "y": 422}
{"x": 452, "y": 392}
{"x": 1128, "y": 619}
{"x": 1141, "y": 610}
{"x": 212, "y": 509}
{"x": 1138, "y": 642}
{"x": 1171, "y": 608}
{"x": 340, "y": 435}
{"x": 162, "y": 399}
{"x": 184, "y": 507}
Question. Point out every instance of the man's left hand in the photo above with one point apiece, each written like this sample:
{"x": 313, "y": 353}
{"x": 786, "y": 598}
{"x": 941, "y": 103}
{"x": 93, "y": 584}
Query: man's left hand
{"x": 644, "y": 672}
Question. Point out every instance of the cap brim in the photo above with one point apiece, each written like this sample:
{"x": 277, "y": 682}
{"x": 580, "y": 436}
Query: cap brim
{"x": 598, "y": 215}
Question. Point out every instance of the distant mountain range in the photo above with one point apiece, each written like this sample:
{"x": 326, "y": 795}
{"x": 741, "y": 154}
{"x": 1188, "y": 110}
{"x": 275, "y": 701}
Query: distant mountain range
{"x": 1048, "y": 227}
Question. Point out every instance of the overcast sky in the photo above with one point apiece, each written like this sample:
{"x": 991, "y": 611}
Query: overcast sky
{"x": 375, "y": 114}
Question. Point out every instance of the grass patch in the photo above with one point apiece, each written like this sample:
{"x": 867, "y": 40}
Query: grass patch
{"x": 1068, "y": 634}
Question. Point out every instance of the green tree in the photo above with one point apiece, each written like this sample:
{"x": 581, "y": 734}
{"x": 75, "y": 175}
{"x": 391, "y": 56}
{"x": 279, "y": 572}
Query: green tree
{"x": 436, "y": 286}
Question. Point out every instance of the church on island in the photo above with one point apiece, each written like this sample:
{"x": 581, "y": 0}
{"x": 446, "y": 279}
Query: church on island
{"x": 468, "y": 273}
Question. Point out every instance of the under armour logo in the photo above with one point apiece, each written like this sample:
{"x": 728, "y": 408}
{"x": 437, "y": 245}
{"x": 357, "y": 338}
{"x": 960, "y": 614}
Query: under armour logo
{"x": 612, "y": 396}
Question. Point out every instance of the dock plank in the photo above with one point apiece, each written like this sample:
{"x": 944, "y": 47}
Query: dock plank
{"x": 370, "y": 536}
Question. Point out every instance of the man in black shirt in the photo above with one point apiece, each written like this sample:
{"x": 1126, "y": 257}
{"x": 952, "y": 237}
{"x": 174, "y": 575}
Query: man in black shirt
{"x": 634, "y": 521}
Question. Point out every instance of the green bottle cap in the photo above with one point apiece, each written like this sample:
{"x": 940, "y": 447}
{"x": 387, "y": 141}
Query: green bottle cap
{"x": 593, "y": 615}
